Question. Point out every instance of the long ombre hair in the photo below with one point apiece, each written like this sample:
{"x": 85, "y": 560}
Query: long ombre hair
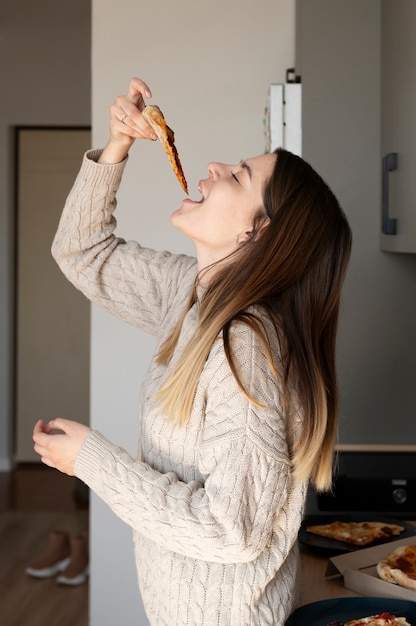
{"x": 294, "y": 269}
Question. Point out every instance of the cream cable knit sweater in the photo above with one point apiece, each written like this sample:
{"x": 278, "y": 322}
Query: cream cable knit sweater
{"x": 213, "y": 506}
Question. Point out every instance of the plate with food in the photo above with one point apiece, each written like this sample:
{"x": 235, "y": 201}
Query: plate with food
{"x": 345, "y": 533}
{"x": 355, "y": 612}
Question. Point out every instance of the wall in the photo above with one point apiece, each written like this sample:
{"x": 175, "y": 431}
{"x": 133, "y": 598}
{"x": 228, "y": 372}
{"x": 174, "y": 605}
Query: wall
{"x": 339, "y": 56}
{"x": 209, "y": 66}
{"x": 45, "y": 73}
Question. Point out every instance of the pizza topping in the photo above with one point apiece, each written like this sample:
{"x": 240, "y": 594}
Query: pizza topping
{"x": 406, "y": 566}
{"x": 155, "y": 118}
{"x": 357, "y": 533}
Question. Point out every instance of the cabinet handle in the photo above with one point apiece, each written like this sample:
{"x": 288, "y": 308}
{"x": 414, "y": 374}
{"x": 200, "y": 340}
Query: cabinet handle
{"x": 388, "y": 224}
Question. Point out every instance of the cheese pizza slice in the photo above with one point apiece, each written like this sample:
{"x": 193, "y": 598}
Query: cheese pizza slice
{"x": 399, "y": 567}
{"x": 357, "y": 533}
{"x": 155, "y": 118}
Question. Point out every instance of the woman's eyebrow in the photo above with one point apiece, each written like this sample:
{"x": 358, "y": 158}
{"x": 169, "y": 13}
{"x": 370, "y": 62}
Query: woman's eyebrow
{"x": 246, "y": 166}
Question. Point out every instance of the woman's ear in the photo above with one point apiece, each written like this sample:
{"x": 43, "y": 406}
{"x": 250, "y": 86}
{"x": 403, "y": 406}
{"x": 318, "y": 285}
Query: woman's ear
{"x": 262, "y": 223}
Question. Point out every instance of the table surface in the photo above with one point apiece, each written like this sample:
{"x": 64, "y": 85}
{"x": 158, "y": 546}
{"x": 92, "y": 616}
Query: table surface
{"x": 313, "y": 584}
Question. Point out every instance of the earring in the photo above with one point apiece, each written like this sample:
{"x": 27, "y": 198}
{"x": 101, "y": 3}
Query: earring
{"x": 236, "y": 239}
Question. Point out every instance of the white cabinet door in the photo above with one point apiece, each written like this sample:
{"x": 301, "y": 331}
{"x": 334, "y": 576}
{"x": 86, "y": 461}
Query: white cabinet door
{"x": 398, "y": 123}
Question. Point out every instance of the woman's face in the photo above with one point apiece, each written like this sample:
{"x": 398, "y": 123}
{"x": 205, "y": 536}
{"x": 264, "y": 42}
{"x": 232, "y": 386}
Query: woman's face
{"x": 232, "y": 196}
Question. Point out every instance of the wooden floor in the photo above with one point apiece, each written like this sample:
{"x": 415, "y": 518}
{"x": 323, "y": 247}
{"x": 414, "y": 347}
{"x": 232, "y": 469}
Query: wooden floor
{"x": 33, "y": 501}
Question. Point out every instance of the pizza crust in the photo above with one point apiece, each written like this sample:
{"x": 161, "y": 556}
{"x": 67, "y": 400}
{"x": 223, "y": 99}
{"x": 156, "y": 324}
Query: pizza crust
{"x": 155, "y": 118}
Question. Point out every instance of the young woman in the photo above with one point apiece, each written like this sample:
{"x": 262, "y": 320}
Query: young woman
{"x": 239, "y": 406}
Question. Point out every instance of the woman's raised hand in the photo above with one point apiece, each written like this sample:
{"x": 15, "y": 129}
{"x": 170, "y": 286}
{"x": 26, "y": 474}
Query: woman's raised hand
{"x": 127, "y": 123}
{"x": 58, "y": 442}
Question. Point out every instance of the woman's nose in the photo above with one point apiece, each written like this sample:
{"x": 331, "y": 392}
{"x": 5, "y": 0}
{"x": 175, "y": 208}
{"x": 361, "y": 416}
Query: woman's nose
{"x": 215, "y": 169}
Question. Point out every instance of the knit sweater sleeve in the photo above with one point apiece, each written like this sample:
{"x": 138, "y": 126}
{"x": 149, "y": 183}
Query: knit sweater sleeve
{"x": 229, "y": 516}
{"x": 137, "y": 284}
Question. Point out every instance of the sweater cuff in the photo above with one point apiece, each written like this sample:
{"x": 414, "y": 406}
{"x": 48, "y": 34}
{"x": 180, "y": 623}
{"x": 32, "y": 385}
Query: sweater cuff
{"x": 97, "y": 173}
{"x": 90, "y": 457}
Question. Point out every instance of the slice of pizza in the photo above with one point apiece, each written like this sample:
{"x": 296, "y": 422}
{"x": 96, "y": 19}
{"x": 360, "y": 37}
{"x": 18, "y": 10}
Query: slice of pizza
{"x": 155, "y": 118}
{"x": 399, "y": 567}
{"x": 382, "y": 619}
{"x": 357, "y": 533}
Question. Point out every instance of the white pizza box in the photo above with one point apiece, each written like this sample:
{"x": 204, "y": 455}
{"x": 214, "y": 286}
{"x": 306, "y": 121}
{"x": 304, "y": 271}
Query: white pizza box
{"x": 359, "y": 569}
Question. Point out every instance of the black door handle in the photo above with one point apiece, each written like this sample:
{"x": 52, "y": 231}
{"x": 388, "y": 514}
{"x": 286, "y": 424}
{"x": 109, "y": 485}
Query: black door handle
{"x": 388, "y": 224}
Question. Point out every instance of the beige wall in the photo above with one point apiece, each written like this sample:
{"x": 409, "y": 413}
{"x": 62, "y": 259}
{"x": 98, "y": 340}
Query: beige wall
{"x": 209, "y": 65}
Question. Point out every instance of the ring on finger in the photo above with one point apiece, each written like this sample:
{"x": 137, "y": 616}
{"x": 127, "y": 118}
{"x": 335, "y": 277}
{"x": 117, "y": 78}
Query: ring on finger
{"x": 123, "y": 117}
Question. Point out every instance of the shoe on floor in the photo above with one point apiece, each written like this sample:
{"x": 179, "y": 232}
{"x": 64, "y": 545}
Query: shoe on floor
{"x": 55, "y": 559}
{"x": 76, "y": 572}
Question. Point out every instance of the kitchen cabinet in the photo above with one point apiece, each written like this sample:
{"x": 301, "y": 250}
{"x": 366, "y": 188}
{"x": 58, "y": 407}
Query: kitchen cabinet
{"x": 398, "y": 126}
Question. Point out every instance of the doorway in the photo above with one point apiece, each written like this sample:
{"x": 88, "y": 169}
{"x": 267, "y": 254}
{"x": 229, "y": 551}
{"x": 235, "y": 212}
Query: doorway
{"x": 52, "y": 321}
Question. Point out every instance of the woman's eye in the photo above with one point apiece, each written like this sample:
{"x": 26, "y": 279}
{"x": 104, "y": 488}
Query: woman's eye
{"x": 235, "y": 177}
